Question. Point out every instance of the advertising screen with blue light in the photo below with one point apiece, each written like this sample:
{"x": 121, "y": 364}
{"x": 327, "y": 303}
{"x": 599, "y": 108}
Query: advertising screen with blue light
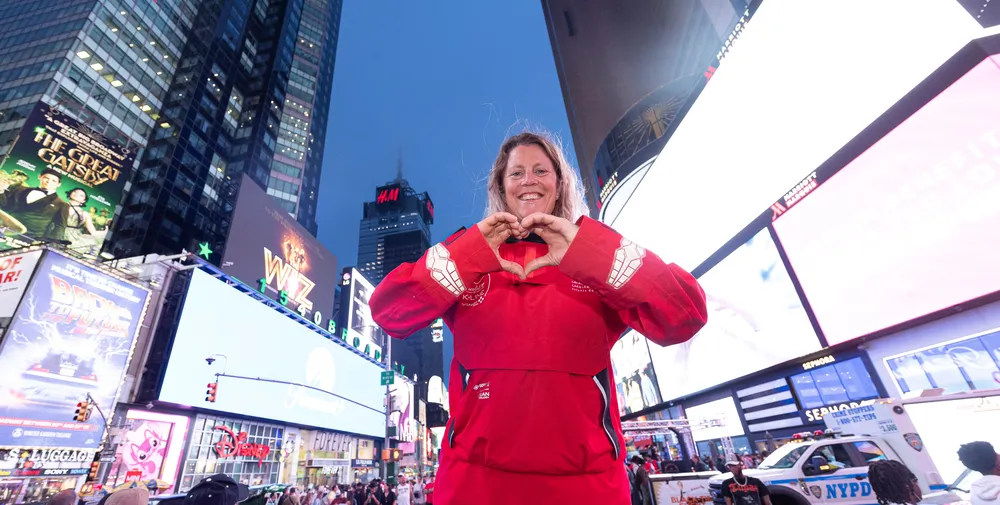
{"x": 325, "y": 384}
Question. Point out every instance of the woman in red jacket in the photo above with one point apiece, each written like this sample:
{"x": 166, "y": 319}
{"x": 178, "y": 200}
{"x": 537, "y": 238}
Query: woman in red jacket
{"x": 536, "y": 295}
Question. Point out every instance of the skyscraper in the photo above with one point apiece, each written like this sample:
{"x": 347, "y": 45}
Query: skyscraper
{"x": 623, "y": 67}
{"x": 251, "y": 95}
{"x": 108, "y": 63}
{"x": 395, "y": 229}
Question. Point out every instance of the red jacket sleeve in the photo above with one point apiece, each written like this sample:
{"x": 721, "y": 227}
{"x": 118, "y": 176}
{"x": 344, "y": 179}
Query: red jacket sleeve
{"x": 414, "y": 294}
{"x": 659, "y": 300}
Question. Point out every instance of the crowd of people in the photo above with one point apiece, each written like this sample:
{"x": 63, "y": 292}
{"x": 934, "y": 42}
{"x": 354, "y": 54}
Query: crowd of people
{"x": 407, "y": 491}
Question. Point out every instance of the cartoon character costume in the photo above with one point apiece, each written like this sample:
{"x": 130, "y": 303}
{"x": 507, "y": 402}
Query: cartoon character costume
{"x": 531, "y": 394}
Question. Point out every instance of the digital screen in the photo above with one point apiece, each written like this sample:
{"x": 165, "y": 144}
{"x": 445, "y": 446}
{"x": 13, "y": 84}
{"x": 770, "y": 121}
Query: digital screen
{"x": 633, "y": 374}
{"x": 60, "y": 183}
{"x": 151, "y": 448}
{"x": 266, "y": 242}
{"x": 956, "y": 367}
{"x": 72, "y": 336}
{"x": 403, "y": 413}
{"x": 344, "y": 392}
{"x": 360, "y": 324}
{"x": 909, "y": 227}
{"x": 720, "y": 417}
{"x": 793, "y": 90}
{"x": 839, "y": 383}
{"x": 755, "y": 320}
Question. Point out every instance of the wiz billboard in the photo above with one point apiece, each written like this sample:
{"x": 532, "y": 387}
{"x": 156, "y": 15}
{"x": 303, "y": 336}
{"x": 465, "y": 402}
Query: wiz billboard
{"x": 61, "y": 183}
{"x": 72, "y": 336}
{"x": 268, "y": 249}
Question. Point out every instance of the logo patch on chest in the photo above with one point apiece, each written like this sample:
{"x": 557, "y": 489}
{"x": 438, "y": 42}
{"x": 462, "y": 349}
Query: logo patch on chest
{"x": 476, "y": 293}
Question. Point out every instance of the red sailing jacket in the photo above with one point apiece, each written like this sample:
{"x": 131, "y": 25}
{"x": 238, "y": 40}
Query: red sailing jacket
{"x": 531, "y": 390}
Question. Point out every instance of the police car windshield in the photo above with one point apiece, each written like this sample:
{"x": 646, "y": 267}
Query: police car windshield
{"x": 784, "y": 456}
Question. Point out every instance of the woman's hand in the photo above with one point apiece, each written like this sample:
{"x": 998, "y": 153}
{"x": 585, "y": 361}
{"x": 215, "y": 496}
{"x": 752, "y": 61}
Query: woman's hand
{"x": 496, "y": 230}
{"x": 557, "y": 232}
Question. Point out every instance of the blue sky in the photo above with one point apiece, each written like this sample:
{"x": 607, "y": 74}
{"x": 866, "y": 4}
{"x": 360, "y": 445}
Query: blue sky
{"x": 444, "y": 81}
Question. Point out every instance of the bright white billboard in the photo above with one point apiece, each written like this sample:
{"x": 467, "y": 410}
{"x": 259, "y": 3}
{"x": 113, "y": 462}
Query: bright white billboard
{"x": 802, "y": 81}
{"x": 343, "y": 390}
{"x": 721, "y": 412}
{"x": 360, "y": 324}
{"x": 755, "y": 320}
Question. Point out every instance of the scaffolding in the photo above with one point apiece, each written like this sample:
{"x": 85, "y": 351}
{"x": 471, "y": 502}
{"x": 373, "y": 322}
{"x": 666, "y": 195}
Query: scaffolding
{"x": 632, "y": 429}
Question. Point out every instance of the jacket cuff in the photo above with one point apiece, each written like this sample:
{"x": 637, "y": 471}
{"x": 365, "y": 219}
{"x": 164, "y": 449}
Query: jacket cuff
{"x": 461, "y": 260}
{"x": 589, "y": 257}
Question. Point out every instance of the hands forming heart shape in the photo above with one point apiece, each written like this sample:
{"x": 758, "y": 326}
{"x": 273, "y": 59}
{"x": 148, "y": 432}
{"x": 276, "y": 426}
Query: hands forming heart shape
{"x": 557, "y": 232}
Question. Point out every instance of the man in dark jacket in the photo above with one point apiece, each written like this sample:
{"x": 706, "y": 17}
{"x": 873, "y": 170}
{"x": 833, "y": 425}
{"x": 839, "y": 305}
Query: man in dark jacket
{"x": 34, "y": 207}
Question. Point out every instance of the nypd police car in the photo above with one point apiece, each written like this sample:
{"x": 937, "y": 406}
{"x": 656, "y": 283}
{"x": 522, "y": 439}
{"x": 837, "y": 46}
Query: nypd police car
{"x": 826, "y": 467}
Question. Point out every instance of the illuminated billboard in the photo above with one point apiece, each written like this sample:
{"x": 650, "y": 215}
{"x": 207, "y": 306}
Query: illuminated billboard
{"x": 289, "y": 372}
{"x": 789, "y": 94}
{"x": 60, "y": 183}
{"x": 403, "y": 412}
{"x": 268, "y": 248}
{"x": 755, "y": 320}
{"x": 633, "y": 374}
{"x": 362, "y": 331}
{"x": 71, "y": 337}
{"x": 908, "y": 228}
{"x": 15, "y": 273}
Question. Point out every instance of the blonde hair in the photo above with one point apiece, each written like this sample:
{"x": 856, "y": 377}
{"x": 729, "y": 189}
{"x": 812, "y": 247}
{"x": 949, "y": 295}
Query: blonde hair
{"x": 570, "y": 202}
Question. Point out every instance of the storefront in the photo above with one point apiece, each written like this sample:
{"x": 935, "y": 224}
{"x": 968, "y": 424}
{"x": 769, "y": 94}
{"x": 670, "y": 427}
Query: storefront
{"x": 794, "y": 399}
{"x": 150, "y": 446}
{"x": 365, "y": 466}
{"x": 325, "y": 458}
{"x": 35, "y": 475}
{"x": 248, "y": 451}
{"x": 948, "y": 370}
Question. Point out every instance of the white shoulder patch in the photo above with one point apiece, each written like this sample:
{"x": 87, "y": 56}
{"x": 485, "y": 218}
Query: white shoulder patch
{"x": 628, "y": 259}
{"x": 443, "y": 269}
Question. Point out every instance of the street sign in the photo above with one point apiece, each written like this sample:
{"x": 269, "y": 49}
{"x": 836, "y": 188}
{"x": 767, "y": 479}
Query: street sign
{"x": 388, "y": 378}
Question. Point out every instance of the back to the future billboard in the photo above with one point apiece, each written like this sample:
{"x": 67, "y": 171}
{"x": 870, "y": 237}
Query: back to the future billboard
{"x": 269, "y": 250}
{"x": 71, "y": 337}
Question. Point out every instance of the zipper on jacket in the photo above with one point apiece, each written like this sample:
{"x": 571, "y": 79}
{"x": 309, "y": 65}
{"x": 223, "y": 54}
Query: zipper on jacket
{"x": 601, "y": 379}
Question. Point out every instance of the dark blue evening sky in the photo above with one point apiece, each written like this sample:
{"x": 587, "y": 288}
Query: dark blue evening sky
{"x": 444, "y": 81}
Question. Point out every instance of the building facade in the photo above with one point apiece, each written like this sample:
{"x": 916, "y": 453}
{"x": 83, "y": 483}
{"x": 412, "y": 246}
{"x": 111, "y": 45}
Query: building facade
{"x": 251, "y": 95}
{"x": 107, "y": 63}
{"x": 611, "y": 56}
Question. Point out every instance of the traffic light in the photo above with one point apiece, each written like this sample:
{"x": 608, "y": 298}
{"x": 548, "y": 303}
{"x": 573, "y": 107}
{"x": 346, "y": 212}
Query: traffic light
{"x": 94, "y": 469}
{"x": 82, "y": 411}
{"x": 213, "y": 390}
{"x": 392, "y": 454}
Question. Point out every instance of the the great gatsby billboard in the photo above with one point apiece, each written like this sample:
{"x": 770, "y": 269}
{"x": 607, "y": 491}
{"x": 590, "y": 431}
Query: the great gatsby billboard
{"x": 60, "y": 183}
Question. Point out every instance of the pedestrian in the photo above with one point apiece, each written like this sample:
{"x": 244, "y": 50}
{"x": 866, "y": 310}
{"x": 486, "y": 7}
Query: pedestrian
{"x": 429, "y": 489}
{"x": 535, "y": 295}
{"x": 697, "y": 465}
{"x": 418, "y": 492}
{"x": 743, "y": 489}
{"x": 641, "y": 485}
{"x": 981, "y": 457}
{"x": 893, "y": 482}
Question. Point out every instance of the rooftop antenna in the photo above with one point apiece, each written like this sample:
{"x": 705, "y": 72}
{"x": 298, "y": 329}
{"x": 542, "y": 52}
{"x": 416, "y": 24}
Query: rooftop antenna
{"x": 399, "y": 166}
